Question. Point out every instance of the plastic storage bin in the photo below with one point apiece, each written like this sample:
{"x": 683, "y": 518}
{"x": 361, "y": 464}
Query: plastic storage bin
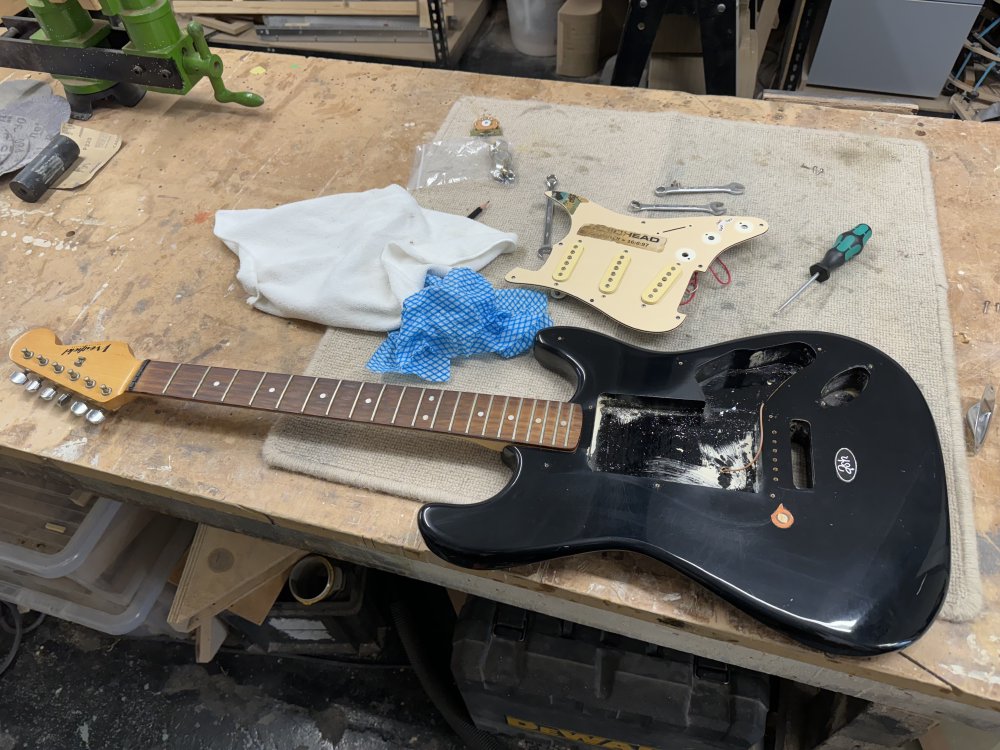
{"x": 534, "y": 26}
{"x": 138, "y": 578}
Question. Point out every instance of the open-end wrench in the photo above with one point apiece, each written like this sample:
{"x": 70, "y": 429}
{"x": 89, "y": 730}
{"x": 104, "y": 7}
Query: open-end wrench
{"x": 716, "y": 208}
{"x": 550, "y": 207}
{"x": 733, "y": 188}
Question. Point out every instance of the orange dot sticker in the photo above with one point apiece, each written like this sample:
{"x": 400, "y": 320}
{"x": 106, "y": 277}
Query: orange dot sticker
{"x": 782, "y": 517}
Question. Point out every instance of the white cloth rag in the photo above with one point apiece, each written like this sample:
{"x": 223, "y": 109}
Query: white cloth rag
{"x": 350, "y": 260}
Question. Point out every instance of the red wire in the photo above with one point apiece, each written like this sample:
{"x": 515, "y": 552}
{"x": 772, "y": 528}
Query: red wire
{"x": 692, "y": 287}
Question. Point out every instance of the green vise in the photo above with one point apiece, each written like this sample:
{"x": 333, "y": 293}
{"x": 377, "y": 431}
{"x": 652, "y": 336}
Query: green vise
{"x": 95, "y": 61}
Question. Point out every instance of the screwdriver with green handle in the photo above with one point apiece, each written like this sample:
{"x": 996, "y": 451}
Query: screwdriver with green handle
{"x": 848, "y": 245}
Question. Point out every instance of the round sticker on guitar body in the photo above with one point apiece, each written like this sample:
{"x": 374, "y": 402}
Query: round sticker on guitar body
{"x": 846, "y": 465}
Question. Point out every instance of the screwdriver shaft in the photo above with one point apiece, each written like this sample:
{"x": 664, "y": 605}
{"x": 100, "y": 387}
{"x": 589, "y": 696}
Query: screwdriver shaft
{"x": 796, "y": 295}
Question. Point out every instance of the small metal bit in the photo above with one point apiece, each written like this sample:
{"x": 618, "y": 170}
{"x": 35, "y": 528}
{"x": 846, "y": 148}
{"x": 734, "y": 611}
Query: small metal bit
{"x": 19, "y": 377}
{"x": 543, "y": 252}
{"x": 43, "y": 360}
{"x": 27, "y": 353}
{"x": 62, "y": 399}
{"x": 73, "y": 375}
{"x": 89, "y": 382}
{"x": 57, "y": 368}
{"x": 733, "y": 188}
{"x": 979, "y": 417}
{"x": 78, "y": 362}
{"x": 79, "y": 408}
{"x": 32, "y": 385}
{"x": 96, "y": 416}
{"x": 716, "y": 208}
{"x": 47, "y": 393}
{"x": 105, "y": 390}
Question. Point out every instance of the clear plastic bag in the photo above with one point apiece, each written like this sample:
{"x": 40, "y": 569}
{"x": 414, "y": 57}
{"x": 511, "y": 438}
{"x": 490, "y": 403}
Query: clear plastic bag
{"x": 448, "y": 162}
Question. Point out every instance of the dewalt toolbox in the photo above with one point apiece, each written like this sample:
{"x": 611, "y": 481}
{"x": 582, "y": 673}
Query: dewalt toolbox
{"x": 536, "y": 676}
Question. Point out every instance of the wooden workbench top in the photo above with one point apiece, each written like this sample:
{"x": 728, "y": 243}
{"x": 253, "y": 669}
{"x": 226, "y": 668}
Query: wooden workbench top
{"x": 132, "y": 256}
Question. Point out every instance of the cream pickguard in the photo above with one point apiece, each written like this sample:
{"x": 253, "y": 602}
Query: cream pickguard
{"x": 632, "y": 269}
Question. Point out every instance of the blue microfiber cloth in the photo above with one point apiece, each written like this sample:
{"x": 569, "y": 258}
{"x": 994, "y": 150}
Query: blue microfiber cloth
{"x": 459, "y": 315}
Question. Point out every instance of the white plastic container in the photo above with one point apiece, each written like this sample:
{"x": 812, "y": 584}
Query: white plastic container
{"x": 534, "y": 26}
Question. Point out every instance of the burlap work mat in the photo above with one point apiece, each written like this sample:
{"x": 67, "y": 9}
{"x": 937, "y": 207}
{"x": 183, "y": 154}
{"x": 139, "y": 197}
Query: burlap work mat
{"x": 809, "y": 184}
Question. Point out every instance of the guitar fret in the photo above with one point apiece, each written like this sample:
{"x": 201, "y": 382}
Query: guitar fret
{"x": 486, "y": 421}
{"x": 503, "y": 413}
{"x": 377, "y": 401}
{"x": 417, "y": 409}
{"x": 517, "y": 419}
{"x": 333, "y": 396}
{"x": 472, "y": 412}
{"x": 257, "y": 389}
{"x": 283, "y": 390}
{"x": 545, "y": 422}
{"x": 170, "y": 380}
{"x": 395, "y": 412}
{"x": 531, "y": 420}
{"x": 555, "y": 427}
{"x": 313, "y": 386}
{"x": 194, "y": 393}
{"x": 226, "y": 392}
{"x": 451, "y": 422}
{"x": 354, "y": 406}
{"x": 569, "y": 424}
{"x": 438, "y": 406}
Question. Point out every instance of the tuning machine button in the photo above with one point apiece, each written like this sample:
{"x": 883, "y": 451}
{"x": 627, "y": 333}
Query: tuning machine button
{"x": 43, "y": 360}
{"x": 96, "y": 416}
{"x": 89, "y": 382}
{"x": 19, "y": 377}
{"x": 62, "y": 399}
{"x": 47, "y": 393}
{"x": 32, "y": 385}
{"x": 79, "y": 408}
{"x": 57, "y": 368}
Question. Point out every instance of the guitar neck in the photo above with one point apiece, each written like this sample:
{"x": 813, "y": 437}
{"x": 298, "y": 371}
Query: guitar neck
{"x": 506, "y": 419}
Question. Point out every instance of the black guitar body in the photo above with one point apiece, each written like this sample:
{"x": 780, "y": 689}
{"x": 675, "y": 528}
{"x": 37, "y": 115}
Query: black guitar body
{"x": 833, "y": 530}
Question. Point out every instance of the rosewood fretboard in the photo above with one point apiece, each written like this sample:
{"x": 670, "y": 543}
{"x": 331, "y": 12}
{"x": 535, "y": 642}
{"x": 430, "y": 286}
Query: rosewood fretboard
{"x": 507, "y": 419}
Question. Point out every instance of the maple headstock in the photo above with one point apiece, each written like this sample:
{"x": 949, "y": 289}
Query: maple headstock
{"x": 98, "y": 373}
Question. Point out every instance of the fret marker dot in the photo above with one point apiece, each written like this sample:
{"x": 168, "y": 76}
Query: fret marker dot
{"x": 216, "y": 384}
{"x": 270, "y": 390}
{"x": 368, "y": 400}
{"x": 510, "y": 417}
{"x": 425, "y": 417}
{"x": 430, "y": 398}
{"x": 562, "y": 423}
{"x": 479, "y": 414}
{"x": 538, "y": 420}
{"x": 322, "y": 395}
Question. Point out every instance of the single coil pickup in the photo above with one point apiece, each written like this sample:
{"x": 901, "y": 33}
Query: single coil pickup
{"x": 569, "y": 261}
{"x": 661, "y": 285}
{"x": 613, "y": 275}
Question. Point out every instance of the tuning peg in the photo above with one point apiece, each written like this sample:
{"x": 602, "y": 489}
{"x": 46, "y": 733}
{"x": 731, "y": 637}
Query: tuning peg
{"x": 79, "y": 408}
{"x": 57, "y": 368}
{"x": 19, "y": 377}
{"x": 62, "y": 399}
{"x": 27, "y": 353}
{"x": 47, "y": 393}
{"x": 89, "y": 382}
{"x": 43, "y": 360}
{"x": 96, "y": 416}
{"x": 32, "y": 385}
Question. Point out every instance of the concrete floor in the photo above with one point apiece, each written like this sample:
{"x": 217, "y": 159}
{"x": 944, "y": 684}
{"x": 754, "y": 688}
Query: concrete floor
{"x": 75, "y": 689}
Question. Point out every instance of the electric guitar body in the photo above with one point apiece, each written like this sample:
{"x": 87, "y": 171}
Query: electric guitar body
{"x": 797, "y": 475}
